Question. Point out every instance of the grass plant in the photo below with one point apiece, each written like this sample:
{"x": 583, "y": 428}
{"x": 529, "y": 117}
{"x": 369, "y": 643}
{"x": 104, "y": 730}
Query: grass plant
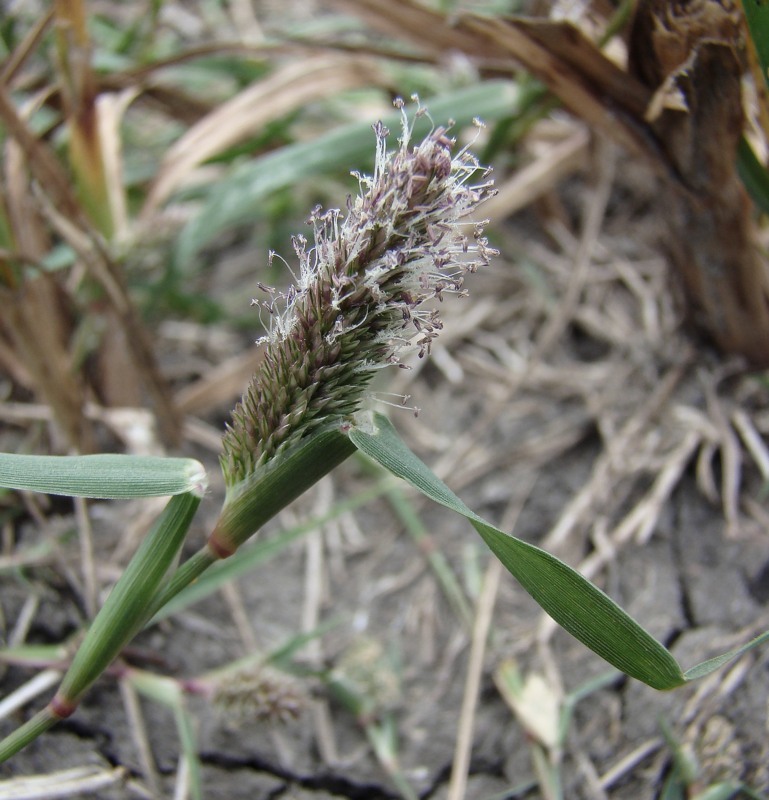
{"x": 365, "y": 295}
{"x": 360, "y": 290}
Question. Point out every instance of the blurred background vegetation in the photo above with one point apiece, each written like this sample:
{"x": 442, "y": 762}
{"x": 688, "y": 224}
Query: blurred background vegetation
{"x": 141, "y": 141}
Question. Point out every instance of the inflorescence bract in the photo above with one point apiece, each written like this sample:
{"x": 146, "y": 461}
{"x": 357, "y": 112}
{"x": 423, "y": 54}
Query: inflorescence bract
{"x": 360, "y": 295}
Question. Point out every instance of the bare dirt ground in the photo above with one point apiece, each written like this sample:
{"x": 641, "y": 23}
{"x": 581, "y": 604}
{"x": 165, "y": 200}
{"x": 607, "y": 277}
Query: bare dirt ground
{"x": 564, "y": 402}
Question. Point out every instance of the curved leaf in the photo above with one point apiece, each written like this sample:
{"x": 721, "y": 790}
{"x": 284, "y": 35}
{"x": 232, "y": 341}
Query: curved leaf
{"x": 571, "y": 600}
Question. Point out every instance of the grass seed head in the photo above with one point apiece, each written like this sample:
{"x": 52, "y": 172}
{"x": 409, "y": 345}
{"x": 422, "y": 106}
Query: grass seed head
{"x": 359, "y": 298}
{"x": 259, "y": 695}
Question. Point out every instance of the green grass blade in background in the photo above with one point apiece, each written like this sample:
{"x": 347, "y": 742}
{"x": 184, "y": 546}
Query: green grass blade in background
{"x": 103, "y": 476}
{"x": 237, "y": 198}
{"x": 169, "y": 692}
{"x": 757, "y": 17}
{"x": 753, "y": 174}
{"x": 579, "y": 607}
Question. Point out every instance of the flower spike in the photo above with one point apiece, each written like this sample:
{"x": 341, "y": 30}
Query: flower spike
{"x": 359, "y": 298}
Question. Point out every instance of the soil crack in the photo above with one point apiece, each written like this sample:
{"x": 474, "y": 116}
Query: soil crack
{"x": 331, "y": 783}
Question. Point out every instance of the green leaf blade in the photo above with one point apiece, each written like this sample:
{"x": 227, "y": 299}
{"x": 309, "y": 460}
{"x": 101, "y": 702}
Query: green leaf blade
{"x": 584, "y": 610}
{"x": 129, "y": 603}
{"x": 579, "y": 607}
{"x": 105, "y": 476}
{"x": 712, "y": 664}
